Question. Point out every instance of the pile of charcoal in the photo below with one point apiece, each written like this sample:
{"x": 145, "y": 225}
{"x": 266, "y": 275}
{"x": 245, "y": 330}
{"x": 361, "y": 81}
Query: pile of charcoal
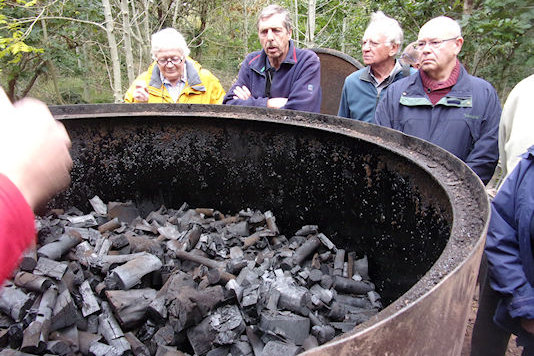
{"x": 180, "y": 282}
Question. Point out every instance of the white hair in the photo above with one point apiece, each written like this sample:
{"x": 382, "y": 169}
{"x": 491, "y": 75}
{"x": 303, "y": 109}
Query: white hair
{"x": 168, "y": 38}
{"x": 388, "y": 26}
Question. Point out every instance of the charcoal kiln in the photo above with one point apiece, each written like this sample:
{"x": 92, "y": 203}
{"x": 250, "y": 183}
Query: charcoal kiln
{"x": 417, "y": 212}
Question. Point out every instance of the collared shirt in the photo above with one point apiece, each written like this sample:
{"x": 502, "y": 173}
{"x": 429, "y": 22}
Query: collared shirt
{"x": 384, "y": 83}
{"x": 175, "y": 90}
{"x": 437, "y": 90}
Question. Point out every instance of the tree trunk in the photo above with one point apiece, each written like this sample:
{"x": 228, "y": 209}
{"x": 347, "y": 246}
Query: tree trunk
{"x": 310, "y": 28}
{"x": 296, "y": 26}
{"x": 177, "y": 13}
{"x": 343, "y": 34}
{"x": 127, "y": 40}
{"x": 116, "y": 84}
{"x": 51, "y": 66}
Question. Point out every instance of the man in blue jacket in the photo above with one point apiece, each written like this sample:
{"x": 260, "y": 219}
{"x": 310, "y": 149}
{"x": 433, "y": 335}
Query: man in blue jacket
{"x": 279, "y": 76}
{"x": 443, "y": 104}
{"x": 510, "y": 254}
{"x": 381, "y": 42}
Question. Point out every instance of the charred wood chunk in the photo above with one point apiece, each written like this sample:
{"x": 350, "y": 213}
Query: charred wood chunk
{"x": 14, "y": 302}
{"x": 32, "y": 282}
{"x": 277, "y": 348}
{"x": 323, "y": 333}
{"x": 288, "y": 325}
{"x": 125, "y": 212}
{"x": 157, "y": 309}
{"x": 144, "y": 243}
{"x": 187, "y": 256}
{"x": 65, "y": 311}
{"x": 292, "y": 296}
{"x": 109, "y": 225}
{"x": 36, "y": 334}
{"x": 346, "y": 285}
{"x": 361, "y": 266}
{"x": 307, "y": 249}
{"x": 50, "y": 268}
{"x": 28, "y": 260}
{"x": 100, "y": 349}
{"x": 55, "y": 250}
{"x": 271, "y": 222}
{"x": 90, "y": 303}
{"x": 112, "y": 332}
{"x": 11, "y": 352}
{"x": 86, "y": 339}
{"x": 223, "y": 327}
{"x": 310, "y": 342}
{"x": 98, "y": 205}
{"x": 168, "y": 351}
{"x": 129, "y": 274}
{"x": 183, "y": 311}
{"x": 163, "y": 337}
{"x": 338, "y": 262}
{"x": 130, "y": 306}
{"x": 138, "y": 348}
{"x": 254, "y": 340}
{"x": 67, "y": 339}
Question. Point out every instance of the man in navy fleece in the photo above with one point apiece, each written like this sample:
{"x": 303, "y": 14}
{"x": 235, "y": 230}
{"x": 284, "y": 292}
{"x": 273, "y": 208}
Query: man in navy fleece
{"x": 279, "y": 76}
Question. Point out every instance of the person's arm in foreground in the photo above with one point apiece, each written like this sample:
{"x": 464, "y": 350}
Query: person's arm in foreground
{"x": 34, "y": 165}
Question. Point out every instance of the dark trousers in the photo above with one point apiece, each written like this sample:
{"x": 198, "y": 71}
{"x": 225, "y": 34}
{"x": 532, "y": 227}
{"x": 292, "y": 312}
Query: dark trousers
{"x": 488, "y": 339}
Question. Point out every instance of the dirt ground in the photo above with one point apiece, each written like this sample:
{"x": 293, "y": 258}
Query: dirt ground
{"x": 513, "y": 350}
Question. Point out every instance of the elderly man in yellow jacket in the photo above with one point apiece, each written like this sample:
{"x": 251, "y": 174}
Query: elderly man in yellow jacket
{"x": 174, "y": 77}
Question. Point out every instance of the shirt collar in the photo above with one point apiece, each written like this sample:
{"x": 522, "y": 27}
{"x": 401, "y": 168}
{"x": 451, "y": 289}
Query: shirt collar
{"x": 166, "y": 81}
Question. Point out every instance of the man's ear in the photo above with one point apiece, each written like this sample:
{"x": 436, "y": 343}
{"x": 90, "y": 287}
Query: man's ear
{"x": 394, "y": 49}
{"x": 459, "y": 43}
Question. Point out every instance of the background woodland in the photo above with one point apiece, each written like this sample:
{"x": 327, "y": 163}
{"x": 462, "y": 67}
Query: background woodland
{"x": 89, "y": 51}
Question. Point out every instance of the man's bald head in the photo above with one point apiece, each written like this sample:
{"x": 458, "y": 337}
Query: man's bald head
{"x": 440, "y": 27}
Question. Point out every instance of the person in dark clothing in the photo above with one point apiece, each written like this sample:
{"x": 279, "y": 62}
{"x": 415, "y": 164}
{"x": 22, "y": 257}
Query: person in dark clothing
{"x": 279, "y": 76}
{"x": 443, "y": 104}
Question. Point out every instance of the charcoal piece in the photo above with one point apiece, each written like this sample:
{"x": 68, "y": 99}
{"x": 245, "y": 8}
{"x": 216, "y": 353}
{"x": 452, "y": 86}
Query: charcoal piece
{"x": 207, "y": 212}
{"x": 270, "y": 220}
{"x": 361, "y": 266}
{"x": 10, "y": 352}
{"x": 273, "y": 298}
{"x": 307, "y": 230}
{"x": 315, "y": 275}
{"x": 347, "y": 285}
{"x": 351, "y": 256}
{"x": 343, "y": 326}
{"x": 238, "y": 229}
{"x": 292, "y": 297}
{"x": 32, "y": 282}
{"x": 191, "y": 237}
{"x": 129, "y": 274}
{"x": 90, "y": 303}
{"x": 56, "y": 249}
{"x": 207, "y": 299}
{"x": 50, "y": 268}
{"x": 59, "y": 347}
{"x": 4, "y": 337}
{"x": 163, "y": 337}
{"x": 360, "y": 302}
{"x": 236, "y": 253}
{"x": 250, "y": 295}
{"x": 241, "y": 348}
{"x": 325, "y": 295}
{"x": 255, "y": 342}
{"x": 219, "y": 351}
{"x": 28, "y": 260}
{"x": 222, "y": 327}
{"x": 14, "y": 302}
{"x": 306, "y": 250}
{"x": 327, "y": 281}
{"x": 15, "y": 335}
{"x": 130, "y": 307}
{"x": 104, "y": 263}
{"x": 144, "y": 243}
{"x": 88, "y": 234}
{"x": 118, "y": 241}
{"x": 326, "y": 242}
{"x": 277, "y": 348}
{"x": 36, "y": 334}
{"x": 65, "y": 311}
{"x": 102, "y": 246}
{"x": 87, "y": 220}
{"x": 323, "y": 333}
{"x": 68, "y": 337}
{"x": 339, "y": 260}
{"x": 374, "y": 298}
{"x": 110, "y": 329}
{"x": 235, "y": 266}
{"x": 310, "y": 342}
{"x": 85, "y": 339}
{"x": 157, "y": 309}
{"x": 92, "y": 323}
{"x": 168, "y": 351}
{"x": 138, "y": 348}
{"x": 290, "y": 326}
{"x": 183, "y": 311}
{"x": 100, "y": 349}
{"x": 125, "y": 212}
{"x": 169, "y": 232}
{"x": 225, "y": 276}
{"x": 109, "y": 225}
{"x": 98, "y": 205}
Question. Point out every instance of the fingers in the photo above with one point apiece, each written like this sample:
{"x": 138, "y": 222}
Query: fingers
{"x": 242, "y": 93}
{"x": 141, "y": 91}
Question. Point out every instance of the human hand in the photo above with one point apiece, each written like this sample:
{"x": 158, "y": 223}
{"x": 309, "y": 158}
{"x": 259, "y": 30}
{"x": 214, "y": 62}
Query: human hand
{"x": 140, "y": 93}
{"x": 528, "y": 325}
{"x": 34, "y": 149}
{"x": 276, "y": 103}
{"x": 242, "y": 93}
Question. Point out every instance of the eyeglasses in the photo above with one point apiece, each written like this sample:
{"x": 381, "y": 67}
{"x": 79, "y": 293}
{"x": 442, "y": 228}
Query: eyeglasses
{"x": 371, "y": 44}
{"x": 419, "y": 45}
{"x": 173, "y": 60}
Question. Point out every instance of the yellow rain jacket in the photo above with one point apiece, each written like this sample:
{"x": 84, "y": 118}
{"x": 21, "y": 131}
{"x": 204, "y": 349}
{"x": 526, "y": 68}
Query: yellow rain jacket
{"x": 202, "y": 87}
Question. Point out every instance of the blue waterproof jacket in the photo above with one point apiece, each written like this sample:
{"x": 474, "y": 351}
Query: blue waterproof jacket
{"x": 509, "y": 247}
{"x": 298, "y": 79}
{"x": 360, "y": 97}
{"x": 464, "y": 122}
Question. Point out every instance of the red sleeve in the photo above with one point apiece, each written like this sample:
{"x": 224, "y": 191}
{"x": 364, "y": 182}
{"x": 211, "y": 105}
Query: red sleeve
{"x": 17, "y": 226}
